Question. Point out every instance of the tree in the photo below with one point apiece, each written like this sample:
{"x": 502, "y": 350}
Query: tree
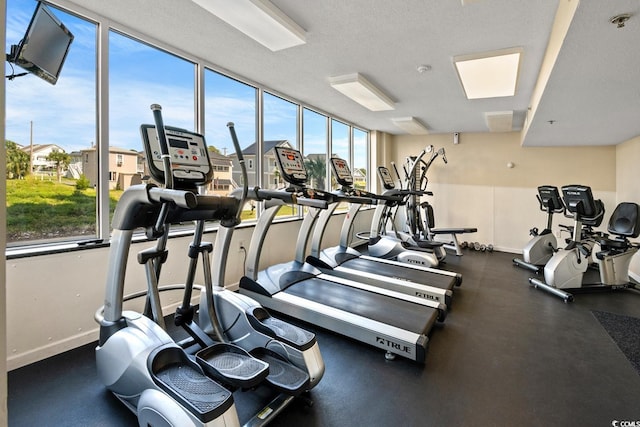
{"x": 61, "y": 160}
{"x": 213, "y": 149}
{"x": 17, "y": 161}
{"x": 317, "y": 169}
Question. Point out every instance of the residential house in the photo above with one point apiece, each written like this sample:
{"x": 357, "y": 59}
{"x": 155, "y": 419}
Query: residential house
{"x": 124, "y": 167}
{"x": 270, "y": 169}
{"x": 222, "y": 182}
{"x": 359, "y": 178}
{"x": 39, "y": 153}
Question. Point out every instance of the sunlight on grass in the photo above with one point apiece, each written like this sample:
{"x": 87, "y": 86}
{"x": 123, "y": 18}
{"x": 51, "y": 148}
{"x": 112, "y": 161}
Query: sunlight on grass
{"x": 41, "y": 209}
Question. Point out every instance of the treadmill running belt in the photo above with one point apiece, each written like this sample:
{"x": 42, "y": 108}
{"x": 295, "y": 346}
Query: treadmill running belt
{"x": 441, "y": 281}
{"x": 401, "y": 314}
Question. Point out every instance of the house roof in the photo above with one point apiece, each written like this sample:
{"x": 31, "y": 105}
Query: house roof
{"x": 115, "y": 150}
{"x": 267, "y": 146}
{"x": 219, "y": 159}
{"x": 41, "y": 147}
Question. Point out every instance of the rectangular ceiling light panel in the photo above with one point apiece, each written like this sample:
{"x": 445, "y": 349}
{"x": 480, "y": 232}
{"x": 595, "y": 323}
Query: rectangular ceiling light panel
{"x": 362, "y": 91}
{"x": 410, "y": 125}
{"x": 489, "y": 75}
{"x": 259, "y": 19}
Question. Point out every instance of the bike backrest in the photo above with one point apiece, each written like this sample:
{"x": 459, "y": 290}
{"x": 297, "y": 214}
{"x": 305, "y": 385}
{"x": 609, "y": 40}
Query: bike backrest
{"x": 625, "y": 220}
{"x": 595, "y": 220}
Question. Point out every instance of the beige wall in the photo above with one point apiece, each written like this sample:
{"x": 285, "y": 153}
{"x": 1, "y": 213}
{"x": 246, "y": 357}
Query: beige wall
{"x": 477, "y": 189}
{"x": 481, "y": 159}
{"x": 627, "y": 161}
{"x": 628, "y": 190}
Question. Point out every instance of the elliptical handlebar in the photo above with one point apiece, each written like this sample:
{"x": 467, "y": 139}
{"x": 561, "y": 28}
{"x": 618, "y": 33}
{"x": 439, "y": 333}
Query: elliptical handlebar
{"x": 164, "y": 146}
{"x": 183, "y": 199}
{"x": 243, "y": 170}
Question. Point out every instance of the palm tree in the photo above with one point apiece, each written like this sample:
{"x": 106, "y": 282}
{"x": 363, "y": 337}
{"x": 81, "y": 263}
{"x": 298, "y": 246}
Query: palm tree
{"x": 61, "y": 159}
{"x": 317, "y": 170}
{"x": 17, "y": 161}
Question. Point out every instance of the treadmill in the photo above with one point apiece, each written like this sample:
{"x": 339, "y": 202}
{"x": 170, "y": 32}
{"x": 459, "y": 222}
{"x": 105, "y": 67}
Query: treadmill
{"x": 297, "y": 289}
{"x": 344, "y": 261}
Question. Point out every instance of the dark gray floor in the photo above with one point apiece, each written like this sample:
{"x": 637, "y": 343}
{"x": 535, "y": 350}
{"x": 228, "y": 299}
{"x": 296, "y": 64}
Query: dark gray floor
{"x": 507, "y": 355}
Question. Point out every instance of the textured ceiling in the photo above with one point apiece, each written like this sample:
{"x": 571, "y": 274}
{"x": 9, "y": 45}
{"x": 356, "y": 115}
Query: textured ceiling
{"x": 592, "y": 96}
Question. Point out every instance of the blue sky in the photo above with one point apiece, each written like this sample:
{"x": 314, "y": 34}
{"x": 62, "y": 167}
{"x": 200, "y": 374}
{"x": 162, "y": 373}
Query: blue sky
{"x": 139, "y": 75}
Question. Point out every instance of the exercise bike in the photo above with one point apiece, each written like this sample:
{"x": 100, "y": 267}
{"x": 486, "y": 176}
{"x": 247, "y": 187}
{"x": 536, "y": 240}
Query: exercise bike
{"x": 542, "y": 245}
{"x": 564, "y": 273}
{"x": 191, "y": 382}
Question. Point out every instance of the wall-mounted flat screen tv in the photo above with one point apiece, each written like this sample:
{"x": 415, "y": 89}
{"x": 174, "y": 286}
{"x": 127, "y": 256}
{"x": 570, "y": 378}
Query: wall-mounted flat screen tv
{"x": 44, "y": 47}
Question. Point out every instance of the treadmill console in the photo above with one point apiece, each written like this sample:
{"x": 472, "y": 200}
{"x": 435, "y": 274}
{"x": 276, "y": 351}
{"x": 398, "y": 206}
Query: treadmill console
{"x": 385, "y": 177}
{"x": 188, "y": 151}
{"x": 342, "y": 172}
{"x": 291, "y": 165}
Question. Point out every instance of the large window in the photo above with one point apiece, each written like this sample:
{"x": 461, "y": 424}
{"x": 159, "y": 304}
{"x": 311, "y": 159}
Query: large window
{"x": 141, "y": 75}
{"x": 70, "y": 154}
{"x": 360, "y": 159}
{"x": 227, "y": 100}
{"x": 280, "y": 118}
{"x": 340, "y": 146}
{"x": 314, "y": 143}
{"x": 47, "y": 126}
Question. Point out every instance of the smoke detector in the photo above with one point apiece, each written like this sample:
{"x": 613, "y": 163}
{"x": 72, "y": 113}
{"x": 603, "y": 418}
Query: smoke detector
{"x": 620, "y": 20}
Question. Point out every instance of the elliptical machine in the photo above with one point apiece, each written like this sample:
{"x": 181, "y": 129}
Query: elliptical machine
{"x": 543, "y": 244}
{"x": 564, "y": 272}
{"x": 421, "y": 231}
{"x": 393, "y": 245}
{"x": 154, "y": 376}
{"x": 407, "y": 223}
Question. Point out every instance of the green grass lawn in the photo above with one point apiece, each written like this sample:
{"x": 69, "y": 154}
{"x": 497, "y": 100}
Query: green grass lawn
{"x": 41, "y": 209}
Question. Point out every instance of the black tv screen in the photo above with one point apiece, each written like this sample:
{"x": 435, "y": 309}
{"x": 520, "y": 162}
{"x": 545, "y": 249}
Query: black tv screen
{"x": 44, "y": 47}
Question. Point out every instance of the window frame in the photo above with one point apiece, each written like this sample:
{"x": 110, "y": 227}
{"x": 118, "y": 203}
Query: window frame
{"x": 104, "y": 27}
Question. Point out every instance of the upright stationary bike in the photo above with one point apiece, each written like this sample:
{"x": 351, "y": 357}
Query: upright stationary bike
{"x": 543, "y": 244}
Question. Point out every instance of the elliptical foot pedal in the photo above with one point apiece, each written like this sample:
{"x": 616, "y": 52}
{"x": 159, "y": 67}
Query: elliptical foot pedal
{"x": 283, "y": 376}
{"x": 184, "y": 381}
{"x": 293, "y": 335}
{"x": 232, "y": 365}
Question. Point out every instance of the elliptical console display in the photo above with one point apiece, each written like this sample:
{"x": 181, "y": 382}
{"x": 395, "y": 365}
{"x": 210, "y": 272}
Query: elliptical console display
{"x": 341, "y": 171}
{"x": 385, "y": 176}
{"x": 189, "y": 155}
{"x": 291, "y": 165}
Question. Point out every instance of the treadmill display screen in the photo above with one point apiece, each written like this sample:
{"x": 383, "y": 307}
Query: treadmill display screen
{"x": 291, "y": 165}
{"x": 385, "y": 176}
{"x": 342, "y": 171}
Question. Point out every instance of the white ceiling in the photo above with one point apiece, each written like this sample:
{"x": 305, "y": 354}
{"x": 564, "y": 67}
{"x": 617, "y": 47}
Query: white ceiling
{"x": 592, "y": 96}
